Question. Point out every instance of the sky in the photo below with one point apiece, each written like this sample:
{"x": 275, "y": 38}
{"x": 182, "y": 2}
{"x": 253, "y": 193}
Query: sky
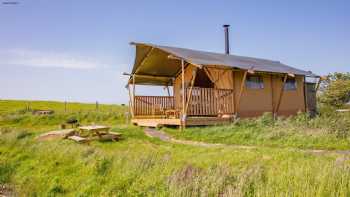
{"x": 77, "y": 50}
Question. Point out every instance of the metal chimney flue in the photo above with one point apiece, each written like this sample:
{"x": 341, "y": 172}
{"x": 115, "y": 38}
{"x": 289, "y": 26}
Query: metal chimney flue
{"x": 227, "y": 41}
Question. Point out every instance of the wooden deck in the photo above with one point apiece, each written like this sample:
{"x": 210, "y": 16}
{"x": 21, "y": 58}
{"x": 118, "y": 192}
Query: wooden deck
{"x": 191, "y": 121}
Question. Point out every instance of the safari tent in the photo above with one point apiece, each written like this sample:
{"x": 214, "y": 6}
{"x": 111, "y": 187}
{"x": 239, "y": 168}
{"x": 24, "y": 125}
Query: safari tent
{"x": 212, "y": 88}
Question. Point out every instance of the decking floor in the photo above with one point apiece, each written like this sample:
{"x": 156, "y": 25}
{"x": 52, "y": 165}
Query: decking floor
{"x": 191, "y": 121}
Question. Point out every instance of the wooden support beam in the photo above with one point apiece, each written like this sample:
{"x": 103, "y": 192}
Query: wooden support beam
{"x": 304, "y": 92}
{"x": 234, "y": 92}
{"x": 281, "y": 95}
{"x": 133, "y": 90}
{"x": 272, "y": 95}
{"x": 183, "y": 115}
{"x": 170, "y": 79}
{"x": 144, "y": 59}
{"x": 189, "y": 96}
{"x": 318, "y": 84}
{"x": 241, "y": 91}
{"x": 167, "y": 88}
{"x": 131, "y": 104}
{"x": 178, "y": 58}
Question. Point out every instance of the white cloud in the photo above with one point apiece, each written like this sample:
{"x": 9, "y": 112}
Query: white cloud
{"x": 36, "y": 58}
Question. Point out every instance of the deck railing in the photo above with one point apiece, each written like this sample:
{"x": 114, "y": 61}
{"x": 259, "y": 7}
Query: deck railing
{"x": 210, "y": 101}
{"x": 152, "y": 105}
{"x": 203, "y": 102}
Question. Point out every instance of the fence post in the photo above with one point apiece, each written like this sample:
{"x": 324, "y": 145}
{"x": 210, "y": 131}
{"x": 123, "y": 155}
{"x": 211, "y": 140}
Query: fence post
{"x": 65, "y": 106}
{"x": 96, "y": 106}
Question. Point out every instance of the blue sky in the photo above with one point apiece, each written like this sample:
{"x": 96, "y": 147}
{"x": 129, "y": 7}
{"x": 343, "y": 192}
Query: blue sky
{"x": 77, "y": 50}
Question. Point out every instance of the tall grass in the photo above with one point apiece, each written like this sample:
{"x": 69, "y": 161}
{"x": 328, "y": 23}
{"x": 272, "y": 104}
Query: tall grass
{"x": 142, "y": 166}
{"x": 139, "y": 166}
{"x": 328, "y": 130}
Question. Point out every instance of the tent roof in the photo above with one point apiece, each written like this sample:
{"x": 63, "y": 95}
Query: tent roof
{"x": 153, "y": 65}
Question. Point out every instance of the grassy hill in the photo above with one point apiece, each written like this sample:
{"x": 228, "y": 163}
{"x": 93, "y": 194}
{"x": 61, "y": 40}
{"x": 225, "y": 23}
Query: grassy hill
{"x": 141, "y": 166}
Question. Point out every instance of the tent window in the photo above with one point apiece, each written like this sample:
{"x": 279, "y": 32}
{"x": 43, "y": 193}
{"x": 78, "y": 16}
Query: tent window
{"x": 254, "y": 82}
{"x": 290, "y": 84}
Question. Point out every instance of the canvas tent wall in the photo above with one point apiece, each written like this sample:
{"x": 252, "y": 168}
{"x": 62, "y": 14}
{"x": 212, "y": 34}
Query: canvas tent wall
{"x": 253, "y": 102}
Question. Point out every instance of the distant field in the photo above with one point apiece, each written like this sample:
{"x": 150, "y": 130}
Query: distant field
{"x": 9, "y": 106}
{"x": 16, "y": 114}
{"x": 140, "y": 166}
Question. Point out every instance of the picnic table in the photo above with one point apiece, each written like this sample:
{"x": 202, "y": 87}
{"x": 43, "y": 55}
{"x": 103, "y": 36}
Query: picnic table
{"x": 98, "y": 130}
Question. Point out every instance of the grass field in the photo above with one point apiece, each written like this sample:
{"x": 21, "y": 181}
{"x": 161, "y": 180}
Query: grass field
{"x": 141, "y": 166}
{"x": 329, "y": 130}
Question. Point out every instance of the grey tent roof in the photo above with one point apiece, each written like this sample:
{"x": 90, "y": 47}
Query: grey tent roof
{"x": 153, "y": 60}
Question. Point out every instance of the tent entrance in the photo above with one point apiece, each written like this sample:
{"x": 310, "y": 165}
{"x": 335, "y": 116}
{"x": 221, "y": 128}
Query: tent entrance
{"x": 202, "y": 80}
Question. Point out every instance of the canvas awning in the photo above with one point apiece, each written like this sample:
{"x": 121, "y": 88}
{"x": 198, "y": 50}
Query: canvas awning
{"x": 153, "y": 65}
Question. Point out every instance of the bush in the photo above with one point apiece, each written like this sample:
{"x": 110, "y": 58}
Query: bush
{"x": 336, "y": 89}
{"x": 5, "y": 173}
{"x": 22, "y": 134}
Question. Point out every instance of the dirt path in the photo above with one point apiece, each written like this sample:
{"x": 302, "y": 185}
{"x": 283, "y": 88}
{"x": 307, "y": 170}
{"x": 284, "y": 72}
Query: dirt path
{"x": 167, "y": 138}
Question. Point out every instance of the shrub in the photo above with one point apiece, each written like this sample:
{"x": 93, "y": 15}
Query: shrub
{"x": 6, "y": 171}
{"x": 336, "y": 89}
{"x": 266, "y": 119}
{"x": 102, "y": 166}
{"x": 22, "y": 134}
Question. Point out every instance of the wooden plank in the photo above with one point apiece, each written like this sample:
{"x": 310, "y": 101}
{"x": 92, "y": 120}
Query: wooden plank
{"x": 194, "y": 101}
{"x": 204, "y": 121}
{"x": 131, "y": 105}
{"x": 272, "y": 95}
{"x": 183, "y": 121}
{"x": 242, "y": 85}
{"x": 153, "y": 122}
{"x": 206, "y": 108}
{"x": 281, "y": 95}
{"x": 200, "y": 102}
{"x": 189, "y": 96}
{"x": 190, "y": 121}
{"x": 78, "y": 139}
{"x": 234, "y": 92}
{"x": 318, "y": 83}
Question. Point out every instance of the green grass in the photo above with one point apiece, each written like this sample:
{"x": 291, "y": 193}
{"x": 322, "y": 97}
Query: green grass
{"x": 141, "y": 166}
{"x": 329, "y": 130}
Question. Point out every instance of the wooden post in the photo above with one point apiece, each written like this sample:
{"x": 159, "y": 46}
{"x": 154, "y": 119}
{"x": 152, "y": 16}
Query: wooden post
{"x": 131, "y": 105}
{"x": 241, "y": 91}
{"x": 318, "y": 84}
{"x": 96, "y": 106}
{"x": 305, "y": 98}
{"x": 167, "y": 88}
{"x": 280, "y": 96}
{"x": 190, "y": 92}
{"x": 133, "y": 90}
{"x": 183, "y": 115}
{"x": 65, "y": 106}
{"x": 272, "y": 96}
{"x": 234, "y": 93}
